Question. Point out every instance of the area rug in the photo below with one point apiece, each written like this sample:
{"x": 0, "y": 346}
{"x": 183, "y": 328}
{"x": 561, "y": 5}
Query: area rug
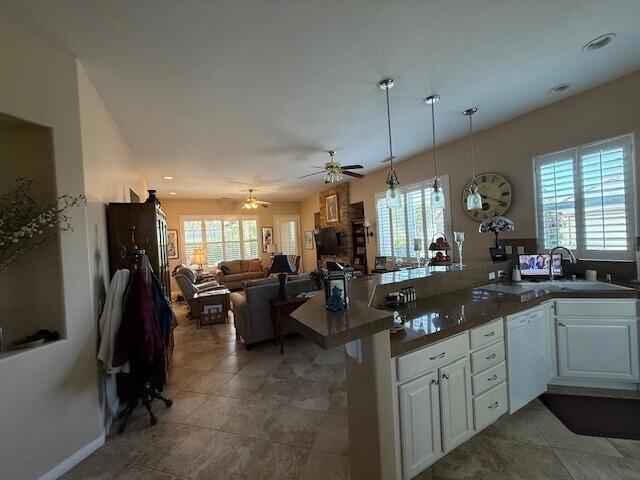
{"x": 596, "y": 416}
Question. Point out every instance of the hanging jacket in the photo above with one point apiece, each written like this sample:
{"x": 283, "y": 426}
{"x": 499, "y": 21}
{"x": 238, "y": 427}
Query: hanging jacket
{"x": 110, "y": 321}
{"x": 139, "y": 340}
{"x": 166, "y": 318}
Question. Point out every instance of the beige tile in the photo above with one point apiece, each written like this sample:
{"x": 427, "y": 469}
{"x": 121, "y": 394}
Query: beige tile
{"x": 208, "y": 382}
{"x": 516, "y": 428}
{"x": 338, "y": 403}
{"x": 293, "y": 426}
{"x": 182, "y": 376}
{"x": 628, "y": 448}
{"x": 248, "y": 418}
{"x": 303, "y": 395}
{"x": 333, "y": 436}
{"x": 231, "y": 364}
{"x": 216, "y": 411}
{"x": 98, "y": 466}
{"x": 559, "y": 436}
{"x": 590, "y": 466}
{"x": 326, "y": 466}
{"x": 184, "y": 403}
{"x": 260, "y": 367}
{"x": 241, "y": 386}
{"x": 141, "y": 473}
{"x": 528, "y": 461}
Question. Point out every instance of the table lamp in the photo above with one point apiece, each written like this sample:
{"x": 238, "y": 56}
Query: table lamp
{"x": 282, "y": 266}
{"x": 199, "y": 258}
{"x": 497, "y": 224}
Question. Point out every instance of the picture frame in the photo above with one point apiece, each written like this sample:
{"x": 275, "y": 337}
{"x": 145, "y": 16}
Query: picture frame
{"x": 267, "y": 238}
{"x": 331, "y": 204}
{"x": 308, "y": 240}
{"x": 380, "y": 263}
{"x": 173, "y": 249}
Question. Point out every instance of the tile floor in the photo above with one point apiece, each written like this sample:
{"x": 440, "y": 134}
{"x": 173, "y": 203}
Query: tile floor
{"x": 241, "y": 415}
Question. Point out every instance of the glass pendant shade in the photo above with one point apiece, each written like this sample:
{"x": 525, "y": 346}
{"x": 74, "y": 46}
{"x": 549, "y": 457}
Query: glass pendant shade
{"x": 394, "y": 198}
{"x": 437, "y": 197}
{"x": 474, "y": 200}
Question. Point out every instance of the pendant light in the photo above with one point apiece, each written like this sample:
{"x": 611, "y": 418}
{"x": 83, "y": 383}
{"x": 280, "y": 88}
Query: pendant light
{"x": 393, "y": 196}
{"x": 474, "y": 199}
{"x": 437, "y": 193}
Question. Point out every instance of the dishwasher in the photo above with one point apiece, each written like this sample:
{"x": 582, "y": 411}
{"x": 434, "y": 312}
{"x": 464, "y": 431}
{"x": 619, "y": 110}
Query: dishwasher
{"x": 527, "y": 356}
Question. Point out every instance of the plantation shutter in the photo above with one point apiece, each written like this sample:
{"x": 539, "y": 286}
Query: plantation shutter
{"x": 288, "y": 230}
{"x": 384, "y": 228}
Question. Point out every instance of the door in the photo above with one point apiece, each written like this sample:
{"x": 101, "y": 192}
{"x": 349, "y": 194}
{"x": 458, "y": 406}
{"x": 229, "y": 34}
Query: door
{"x": 419, "y": 424}
{"x": 456, "y": 403}
{"x": 598, "y": 348}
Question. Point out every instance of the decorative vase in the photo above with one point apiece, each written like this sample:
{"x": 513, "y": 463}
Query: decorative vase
{"x": 152, "y": 198}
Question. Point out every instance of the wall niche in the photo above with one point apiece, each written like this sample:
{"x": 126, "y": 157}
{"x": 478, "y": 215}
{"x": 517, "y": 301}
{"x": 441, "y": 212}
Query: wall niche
{"x": 31, "y": 288}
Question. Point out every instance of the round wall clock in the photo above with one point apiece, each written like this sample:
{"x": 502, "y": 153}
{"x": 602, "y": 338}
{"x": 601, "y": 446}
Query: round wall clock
{"x": 496, "y": 196}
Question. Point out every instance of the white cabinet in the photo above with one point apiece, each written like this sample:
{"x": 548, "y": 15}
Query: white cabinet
{"x": 419, "y": 404}
{"x": 553, "y": 344}
{"x": 598, "y": 348}
{"x": 457, "y": 403}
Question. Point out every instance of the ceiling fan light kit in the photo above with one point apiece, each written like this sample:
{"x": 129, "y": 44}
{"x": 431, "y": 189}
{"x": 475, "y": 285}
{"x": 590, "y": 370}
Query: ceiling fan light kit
{"x": 251, "y": 203}
{"x": 474, "y": 199}
{"x": 393, "y": 195}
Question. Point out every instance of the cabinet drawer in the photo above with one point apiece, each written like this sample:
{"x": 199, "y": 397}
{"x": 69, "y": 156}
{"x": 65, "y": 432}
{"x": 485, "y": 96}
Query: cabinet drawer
{"x": 486, "y": 334}
{"x": 431, "y": 357}
{"x": 487, "y": 357}
{"x": 596, "y": 308}
{"x": 489, "y": 378}
{"x": 489, "y": 406}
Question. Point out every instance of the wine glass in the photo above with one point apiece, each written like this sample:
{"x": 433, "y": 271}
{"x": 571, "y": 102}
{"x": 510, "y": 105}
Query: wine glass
{"x": 459, "y": 239}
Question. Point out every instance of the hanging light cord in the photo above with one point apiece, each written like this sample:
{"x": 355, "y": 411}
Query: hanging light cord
{"x": 433, "y": 127}
{"x": 389, "y": 126}
{"x": 473, "y": 156}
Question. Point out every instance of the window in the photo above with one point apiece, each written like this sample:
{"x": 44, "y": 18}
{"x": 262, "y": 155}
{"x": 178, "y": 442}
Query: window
{"x": 585, "y": 200}
{"x": 287, "y": 234}
{"x": 221, "y": 238}
{"x": 416, "y": 219}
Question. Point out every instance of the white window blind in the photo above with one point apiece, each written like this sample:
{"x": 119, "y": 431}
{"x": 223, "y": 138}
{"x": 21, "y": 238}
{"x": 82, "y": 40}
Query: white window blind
{"x": 416, "y": 219}
{"x": 586, "y": 200}
{"x": 288, "y": 231}
{"x": 221, "y": 238}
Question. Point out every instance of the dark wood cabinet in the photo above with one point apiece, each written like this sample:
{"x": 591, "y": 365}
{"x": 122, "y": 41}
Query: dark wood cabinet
{"x": 151, "y": 234}
{"x": 359, "y": 233}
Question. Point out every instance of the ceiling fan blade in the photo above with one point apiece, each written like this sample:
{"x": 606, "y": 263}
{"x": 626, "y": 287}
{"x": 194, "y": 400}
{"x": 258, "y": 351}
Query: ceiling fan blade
{"x": 353, "y": 174}
{"x": 263, "y": 202}
{"x": 351, "y": 167}
{"x": 311, "y": 174}
{"x": 386, "y": 160}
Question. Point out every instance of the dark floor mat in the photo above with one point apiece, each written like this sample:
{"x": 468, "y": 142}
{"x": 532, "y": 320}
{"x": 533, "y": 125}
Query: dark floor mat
{"x": 596, "y": 416}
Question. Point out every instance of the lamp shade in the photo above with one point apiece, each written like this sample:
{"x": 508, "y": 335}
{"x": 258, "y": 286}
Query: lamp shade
{"x": 282, "y": 264}
{"x": 497, "y": 224}
{"x": 198, "y": 257}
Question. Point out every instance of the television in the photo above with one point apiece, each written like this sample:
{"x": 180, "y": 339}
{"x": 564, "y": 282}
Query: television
{"x": 538, "y": 265}
{"x": 327, "y": 241}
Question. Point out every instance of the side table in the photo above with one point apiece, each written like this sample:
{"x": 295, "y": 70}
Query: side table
{"x": 212, "y": 306}
{"x": 280, "y": 310}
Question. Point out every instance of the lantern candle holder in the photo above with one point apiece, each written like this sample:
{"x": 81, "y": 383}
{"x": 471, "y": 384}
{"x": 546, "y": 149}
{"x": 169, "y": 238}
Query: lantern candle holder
{"x": 335, "y": 288}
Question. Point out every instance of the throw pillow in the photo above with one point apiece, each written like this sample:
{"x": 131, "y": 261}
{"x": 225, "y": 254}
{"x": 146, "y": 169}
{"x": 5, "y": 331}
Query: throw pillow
{"x": 225, "y": 269}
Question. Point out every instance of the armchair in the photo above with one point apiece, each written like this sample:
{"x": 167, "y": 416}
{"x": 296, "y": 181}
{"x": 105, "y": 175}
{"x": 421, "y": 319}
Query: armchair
{"x": 189, "y": 289}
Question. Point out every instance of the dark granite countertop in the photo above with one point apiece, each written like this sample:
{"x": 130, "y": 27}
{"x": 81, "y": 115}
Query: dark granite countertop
{"x": 432, "y": 319}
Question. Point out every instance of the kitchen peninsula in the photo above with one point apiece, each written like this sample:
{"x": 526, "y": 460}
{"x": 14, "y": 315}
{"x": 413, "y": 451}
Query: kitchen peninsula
{"x": 415, "y": 395}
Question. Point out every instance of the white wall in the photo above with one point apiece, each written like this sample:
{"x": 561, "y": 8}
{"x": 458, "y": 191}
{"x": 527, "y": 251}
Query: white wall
{"x": 603, "y": 112}
{"x": 49, "y": 396}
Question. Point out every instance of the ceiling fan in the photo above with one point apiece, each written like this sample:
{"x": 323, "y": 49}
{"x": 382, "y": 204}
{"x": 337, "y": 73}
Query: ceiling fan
{"x": 252, "y": 203}
{"x": 334, "y": 171}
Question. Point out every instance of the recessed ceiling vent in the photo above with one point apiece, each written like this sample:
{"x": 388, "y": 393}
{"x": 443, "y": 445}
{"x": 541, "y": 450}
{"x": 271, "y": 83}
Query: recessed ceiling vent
{"x": 599, "y": 42}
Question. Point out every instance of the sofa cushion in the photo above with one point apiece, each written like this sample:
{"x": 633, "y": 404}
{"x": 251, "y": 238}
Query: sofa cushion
{"x": 255, "y": 265}
{"x": 234, "y": 266}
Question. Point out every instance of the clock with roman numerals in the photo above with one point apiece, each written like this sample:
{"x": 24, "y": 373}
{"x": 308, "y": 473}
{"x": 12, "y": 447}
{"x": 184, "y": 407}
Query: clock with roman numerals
{"x": 496, "y": 196}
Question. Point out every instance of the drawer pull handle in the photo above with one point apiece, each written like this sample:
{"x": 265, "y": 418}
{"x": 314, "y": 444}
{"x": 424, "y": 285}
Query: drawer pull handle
{"x": 490, "y": 334}
{"x": 445, "y": 376}
{"x": 492, "y": 379}
{"x": 437, "y": 357}
{"x": 495, "y": 405}
{"x": 560, "y": 324}
{"x": 435, "y": 381}
{"x": 490, "y": 357}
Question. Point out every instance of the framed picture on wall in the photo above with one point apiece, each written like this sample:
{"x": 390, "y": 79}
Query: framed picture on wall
{"x": 172, "y": 244}
{"x": 267, "y": 238}
{"x": 308, "y": 240}
{"x": 380, "y": 263}
{"x": 331, "y": 203}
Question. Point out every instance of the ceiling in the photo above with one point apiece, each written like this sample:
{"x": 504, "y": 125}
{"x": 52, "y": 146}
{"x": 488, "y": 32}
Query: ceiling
{"x": 227, "y": 95}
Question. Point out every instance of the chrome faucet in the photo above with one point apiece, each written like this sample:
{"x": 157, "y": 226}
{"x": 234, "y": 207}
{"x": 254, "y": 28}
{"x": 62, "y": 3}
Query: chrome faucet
{"x": 572, "y": 258}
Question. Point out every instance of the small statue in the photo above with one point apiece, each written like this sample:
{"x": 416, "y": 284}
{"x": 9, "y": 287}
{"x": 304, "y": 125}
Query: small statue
{"x": 335, "y": 302}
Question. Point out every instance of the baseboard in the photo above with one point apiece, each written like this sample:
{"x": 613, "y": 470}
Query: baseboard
{"x": 66, "y": 465}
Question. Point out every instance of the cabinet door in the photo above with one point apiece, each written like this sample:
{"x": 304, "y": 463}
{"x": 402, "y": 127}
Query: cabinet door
{"x": 598, "y": 348}
{"x": 419, "y": 424}
{"x": 456, "y": 401}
